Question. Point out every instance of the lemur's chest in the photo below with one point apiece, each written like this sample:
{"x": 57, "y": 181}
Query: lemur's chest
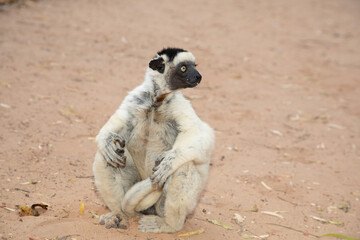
{"x": 154, "y": 131}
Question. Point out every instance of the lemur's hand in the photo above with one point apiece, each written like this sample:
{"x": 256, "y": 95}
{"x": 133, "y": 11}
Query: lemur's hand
{"x": 113, "y": 150}
{"x": 162, "y": 169}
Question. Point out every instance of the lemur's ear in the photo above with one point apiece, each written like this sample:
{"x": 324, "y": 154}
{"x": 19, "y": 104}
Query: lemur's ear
{"x": 157, "y": 64}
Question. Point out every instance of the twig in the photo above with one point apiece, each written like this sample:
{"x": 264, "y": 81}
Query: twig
{"x": 295, "y": 204}
{"x": 266, "y": 186}
{"x": 84, "y": 176}
{"x": 9, "y": 209}
{"x": 19, "y": 189}
{"x": 191, "y": 233}
{"x": 275, "y": 214}
{"x": 247, "y": 230}
{"x": 303, "y": 232}
{"x": 201, "y": 219}
{"x": 292, "y": 128}
{"x": 258, "y": 144}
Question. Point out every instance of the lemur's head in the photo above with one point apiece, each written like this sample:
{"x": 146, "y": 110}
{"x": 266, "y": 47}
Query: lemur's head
{"x": 177, "y": 67}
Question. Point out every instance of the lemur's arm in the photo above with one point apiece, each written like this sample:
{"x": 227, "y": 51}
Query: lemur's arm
{"x": 194, "y": 143}
{"x": 110, "y": 141}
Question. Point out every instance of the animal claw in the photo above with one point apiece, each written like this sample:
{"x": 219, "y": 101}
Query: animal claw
{"x": 119, "y": 151}
{"x": 121, "y": 142}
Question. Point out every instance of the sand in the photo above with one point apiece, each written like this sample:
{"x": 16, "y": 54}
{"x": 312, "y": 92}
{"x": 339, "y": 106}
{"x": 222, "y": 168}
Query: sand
{"x": 280, "y": 88}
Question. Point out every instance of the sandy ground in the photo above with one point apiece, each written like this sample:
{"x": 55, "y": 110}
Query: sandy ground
{"x": 281, "y": 88}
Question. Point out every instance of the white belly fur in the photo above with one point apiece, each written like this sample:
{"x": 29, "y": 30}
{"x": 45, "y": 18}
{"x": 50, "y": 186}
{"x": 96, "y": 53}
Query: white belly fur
{"x": 151, "y": 136}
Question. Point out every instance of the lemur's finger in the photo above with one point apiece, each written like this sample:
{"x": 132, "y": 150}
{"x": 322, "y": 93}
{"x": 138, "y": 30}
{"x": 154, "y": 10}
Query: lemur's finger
{"x": 122, "y": 143}
{"x": 119, "y": 143}
{"x": 158, "y": 161}
{"x": 152, "y": 177}
{"x": 122, "y": 162}
{"x": 162, "y": 181}
{"x": 110, "y": 149}
{"x": 120, "y": 152}
{"x": 110, "y": 161}
{"x": 155, "y": 179}
{"x": 119, "y": 161}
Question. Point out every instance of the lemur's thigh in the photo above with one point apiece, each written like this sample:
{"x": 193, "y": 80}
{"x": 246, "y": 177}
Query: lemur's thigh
{"x": 113, "y": 183}
{"x": 179, "y": 199}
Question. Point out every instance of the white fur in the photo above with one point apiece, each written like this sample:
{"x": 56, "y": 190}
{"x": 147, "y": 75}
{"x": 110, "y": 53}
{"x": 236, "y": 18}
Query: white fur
{"x": 183, "y": 57}
{"x": 170, "y": 131}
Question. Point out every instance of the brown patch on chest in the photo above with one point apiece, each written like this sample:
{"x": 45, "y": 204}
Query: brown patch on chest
{"x": 160, "y": 99}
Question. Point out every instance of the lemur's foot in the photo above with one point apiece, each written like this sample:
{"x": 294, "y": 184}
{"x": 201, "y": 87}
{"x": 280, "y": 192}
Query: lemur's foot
{"x": 155, "y": 224}
{"x": 114, "y": 150}
{"x": 149, "y": 224}
{"x": 112, "y": 220}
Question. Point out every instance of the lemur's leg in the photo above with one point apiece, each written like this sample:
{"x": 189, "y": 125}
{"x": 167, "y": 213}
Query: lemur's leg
{"x": 180, "y": 194}
{"x": 192, "y": 145}
{"x": 112, "y": 184}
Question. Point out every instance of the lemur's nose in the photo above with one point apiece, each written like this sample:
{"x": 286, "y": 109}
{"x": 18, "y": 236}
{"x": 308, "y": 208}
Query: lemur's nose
{"x": 198, "y": 77}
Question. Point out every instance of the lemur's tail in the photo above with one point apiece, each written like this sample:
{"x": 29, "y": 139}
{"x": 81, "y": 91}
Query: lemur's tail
{"x": 140, "y": 197}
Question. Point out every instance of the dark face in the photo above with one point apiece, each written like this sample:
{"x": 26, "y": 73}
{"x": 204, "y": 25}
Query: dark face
{"x": 184, "y": 75}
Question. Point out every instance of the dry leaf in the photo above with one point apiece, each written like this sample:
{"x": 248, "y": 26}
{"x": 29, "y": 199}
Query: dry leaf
{"x": 338, "y": 236}
{"x": 94, "y": 214}
{"x": 245, "y": 236}
{"x": 5, "y": 84}
{"x": 39, "y": 96}
{"x": 293, "y": 229}
{"x": 238, "y": 218}
{"x": 9, "y": 209}
{"x": 254, "y": 209}
{"x": 276, "y": 132}
{"x": 30, "y": 182}
{"x": 266, "y": 186}
{"x": 263, "y": 236}
{"x": 67, "y": 214}
{"x": 4, "y": 105}
{"x": 31, "y": 211}
{"x": 191, "y": 233}
{"x": 68, "y": 111}
{"x": 233, "y": 148}
{"x": 344, "y": 207}
{"x": 70, "y": 89}
{"x": 86, "y": 73}
{"x": 220, "y": 224}
{"x": 356, "y": 194}
{"x": 27, "y": 211}
{"x": 326, "y": 221}
{"x": 82, "y": 206}
{"x": 333, "y": 125}
{"x": 275, "y": 214}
